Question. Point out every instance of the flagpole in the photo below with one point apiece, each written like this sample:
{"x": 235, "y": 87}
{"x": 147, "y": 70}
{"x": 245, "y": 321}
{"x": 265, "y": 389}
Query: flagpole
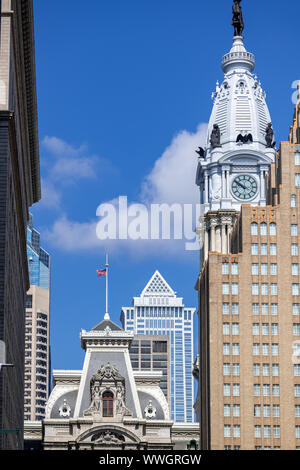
{"x": 107, "y": 266}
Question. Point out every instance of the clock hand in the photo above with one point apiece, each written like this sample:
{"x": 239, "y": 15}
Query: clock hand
{"x": 240, "y": 184}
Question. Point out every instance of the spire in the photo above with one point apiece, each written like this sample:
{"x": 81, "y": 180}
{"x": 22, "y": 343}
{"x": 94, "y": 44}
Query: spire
{"x": 295, "y": 128}
{"x": 238, "y": 57}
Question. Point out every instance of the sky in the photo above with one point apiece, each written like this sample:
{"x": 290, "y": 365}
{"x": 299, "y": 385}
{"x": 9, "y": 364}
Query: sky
{"x": 124, "y": 94}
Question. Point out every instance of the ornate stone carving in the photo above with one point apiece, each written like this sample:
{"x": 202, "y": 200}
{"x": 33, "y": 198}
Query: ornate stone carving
{"x": 215, "y": 138}
{"x": 108, "y": 378}
{"x": 108, "y": 437}
{"x": 150, "y": 411}
{"x": 157, "y": 393}
{"x": 65, "y": 410}
{"x": 216, "y": 194}
{"x": 58, "y": 392}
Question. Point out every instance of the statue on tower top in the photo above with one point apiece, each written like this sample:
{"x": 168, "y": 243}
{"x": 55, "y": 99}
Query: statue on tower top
{"x": 237, "y": 20}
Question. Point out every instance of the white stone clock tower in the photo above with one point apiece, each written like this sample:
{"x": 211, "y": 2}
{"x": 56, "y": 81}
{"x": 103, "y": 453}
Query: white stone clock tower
{"x": 239, "y": 149}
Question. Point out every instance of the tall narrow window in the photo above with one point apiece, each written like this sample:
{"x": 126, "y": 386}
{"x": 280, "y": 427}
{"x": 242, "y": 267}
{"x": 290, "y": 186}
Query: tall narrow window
{"x": 293, "y": 200}
{"x": 294, "y": 230}
{"x": 297, "y": 158}
{"x": 108, "y": 404}
{"x": 263, "y": 229}
{"x": 225, "y": 268}
{"x": 254, "y": 229}
{"x": 273, "y": 229}
{"x": 255, "y": 270}
{"x": 234, "y": 268}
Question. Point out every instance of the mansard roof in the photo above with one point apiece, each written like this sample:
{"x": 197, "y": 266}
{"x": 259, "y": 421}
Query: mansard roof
{"x": 107, "y": 323}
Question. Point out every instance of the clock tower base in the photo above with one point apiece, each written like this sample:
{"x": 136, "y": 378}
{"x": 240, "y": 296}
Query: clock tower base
{"x": 214, "y": 232}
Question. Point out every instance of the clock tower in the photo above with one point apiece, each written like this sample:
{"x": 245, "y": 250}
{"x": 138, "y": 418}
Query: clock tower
{"x": 239, "y": 147}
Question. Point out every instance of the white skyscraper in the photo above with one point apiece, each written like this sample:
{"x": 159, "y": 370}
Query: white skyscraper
{"x": 158, "y": 311}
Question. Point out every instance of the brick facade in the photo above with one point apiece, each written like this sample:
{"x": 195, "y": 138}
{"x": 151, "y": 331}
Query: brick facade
{"x": 249, "y": 319}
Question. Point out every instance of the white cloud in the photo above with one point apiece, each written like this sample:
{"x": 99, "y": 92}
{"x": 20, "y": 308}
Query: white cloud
{"x": 51, "y": 195}
{"x": 64, "y": 165}
{"x": 72, "y": 236}
{"x": 59, "y": 147}
{"x": 172, "y": 180}
{"x": 69, "y": 170}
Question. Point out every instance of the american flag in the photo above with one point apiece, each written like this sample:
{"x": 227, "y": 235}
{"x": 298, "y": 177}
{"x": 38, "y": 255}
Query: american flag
{"x": 101, "y": 272}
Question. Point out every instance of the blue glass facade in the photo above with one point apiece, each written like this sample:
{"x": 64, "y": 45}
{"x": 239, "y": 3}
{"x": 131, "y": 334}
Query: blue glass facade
{"x": 158, "y": 311}
{"x": 38, "y": 259}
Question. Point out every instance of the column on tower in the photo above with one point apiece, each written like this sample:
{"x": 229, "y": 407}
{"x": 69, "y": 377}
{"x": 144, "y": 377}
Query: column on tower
{"x": 223, "y": 184}
{"x": 224, "y": 237}
{"x": 262, "y": 184}
{"x": 205, "y": 188}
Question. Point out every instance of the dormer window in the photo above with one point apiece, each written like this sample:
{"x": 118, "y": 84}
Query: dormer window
{"x": 108, "y": 404}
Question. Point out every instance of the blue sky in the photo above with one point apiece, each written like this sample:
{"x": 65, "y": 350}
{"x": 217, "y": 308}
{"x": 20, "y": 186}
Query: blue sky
{"x": 123, "y": 86}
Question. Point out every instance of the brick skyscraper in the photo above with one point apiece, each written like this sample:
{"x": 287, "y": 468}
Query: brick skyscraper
{"x": 249, "y": 284}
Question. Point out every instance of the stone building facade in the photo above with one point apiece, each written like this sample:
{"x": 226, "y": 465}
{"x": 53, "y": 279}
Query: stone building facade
{"x": 249, "y": 313}
{"x": 19, "y": 189}
{"x": 108, "y": 405}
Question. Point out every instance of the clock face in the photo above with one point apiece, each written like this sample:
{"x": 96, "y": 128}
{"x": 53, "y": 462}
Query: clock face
{"x": 244, "y": 187}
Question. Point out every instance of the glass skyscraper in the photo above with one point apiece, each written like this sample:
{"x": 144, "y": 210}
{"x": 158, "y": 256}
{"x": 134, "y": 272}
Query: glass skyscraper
{"x": 37, "y": 329}
{"x": 158, "y": 311}
{"x": 38, "y": 258}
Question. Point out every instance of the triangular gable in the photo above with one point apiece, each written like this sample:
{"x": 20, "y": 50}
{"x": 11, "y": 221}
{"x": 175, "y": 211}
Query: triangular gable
{"x": 107, "y": 323}
{"x": 158, "y": 286}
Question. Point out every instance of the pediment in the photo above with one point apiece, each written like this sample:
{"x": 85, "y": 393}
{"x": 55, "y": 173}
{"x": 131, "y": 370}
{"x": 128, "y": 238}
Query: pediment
{"x": 247, "y": 158}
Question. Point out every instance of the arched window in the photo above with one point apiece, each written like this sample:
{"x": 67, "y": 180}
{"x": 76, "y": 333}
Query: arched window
{"x": 273, "y": 229}
{"x": 253, "y": 228}
{"x": 107, "y": 404}
{"x": 263, "y": 229}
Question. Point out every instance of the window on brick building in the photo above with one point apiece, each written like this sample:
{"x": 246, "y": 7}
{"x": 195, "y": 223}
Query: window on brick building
{"x": 255, "y": 270}
{"x": 273, "y": 229}
{"x": 263, "y": 229}
{"x": 254, "y": 230}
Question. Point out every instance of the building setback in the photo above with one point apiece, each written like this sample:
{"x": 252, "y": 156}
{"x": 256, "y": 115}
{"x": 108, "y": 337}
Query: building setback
{"x": 158, "y": 311}
{"x": 37, "y": 329}
{"x": 19, "y": 189}
{"x": 148, "y": 352}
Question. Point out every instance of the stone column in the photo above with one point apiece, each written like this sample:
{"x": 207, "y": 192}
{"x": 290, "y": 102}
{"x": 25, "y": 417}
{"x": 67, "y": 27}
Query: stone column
{"x": 224, "y": 238}
{"x": 223, "y": 184}
{"x": 206, "y": 244}
{"x": 206, "y": 188}
{"x": 262, "y": 185}
{"x": 227, "y": 184}
{"x": 213, "y": 226}
{"x": 218, "y": 239}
